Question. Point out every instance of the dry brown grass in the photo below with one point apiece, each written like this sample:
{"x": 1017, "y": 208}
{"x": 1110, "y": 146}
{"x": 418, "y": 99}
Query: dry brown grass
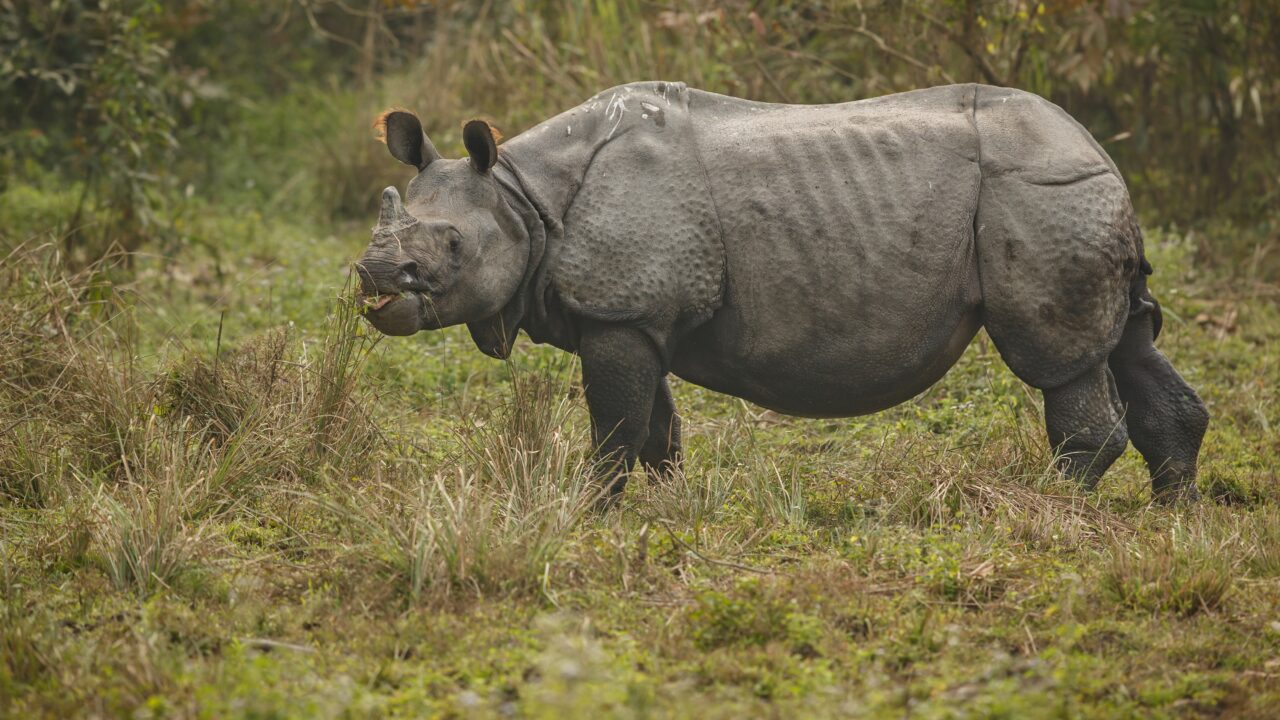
{"x": 1010, "y": 483}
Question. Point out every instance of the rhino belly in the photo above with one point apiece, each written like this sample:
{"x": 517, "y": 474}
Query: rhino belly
{"x": 783, "y": 360}
{"x": 851, "y": 279}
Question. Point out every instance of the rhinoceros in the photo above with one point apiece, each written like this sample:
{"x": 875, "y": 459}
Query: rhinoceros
{"x": 817, "y": 260}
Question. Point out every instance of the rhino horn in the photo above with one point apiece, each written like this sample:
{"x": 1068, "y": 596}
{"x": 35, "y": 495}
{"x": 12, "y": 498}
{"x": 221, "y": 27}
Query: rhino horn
{"x": 392, "y": 212}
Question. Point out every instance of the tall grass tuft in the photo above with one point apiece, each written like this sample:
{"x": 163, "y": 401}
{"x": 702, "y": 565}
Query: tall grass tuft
{"x": 1264, "y": 545}
{"x": 729, "y": 474}
{"x": 280, "y": 405}
{"x": 775, "y": 495}
{"x": 70, "y": 389}
{"x": 1177, "y": 572}
{"x": 34, "y": 464}
{"x": 340, "y": 425}
{"x": 494, "y": 523}
{"x": 535, "y": 462}
{"x": 161, "y": 454}
{"x": 145, "y": 539}
{"x": 691, "y": 500}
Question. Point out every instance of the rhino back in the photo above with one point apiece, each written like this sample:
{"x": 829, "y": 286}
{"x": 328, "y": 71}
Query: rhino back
{"x": 848, "y": 232}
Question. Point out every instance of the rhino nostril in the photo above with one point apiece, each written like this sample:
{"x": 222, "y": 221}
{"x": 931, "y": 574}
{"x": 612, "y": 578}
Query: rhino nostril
{"x": 408, "y": 272}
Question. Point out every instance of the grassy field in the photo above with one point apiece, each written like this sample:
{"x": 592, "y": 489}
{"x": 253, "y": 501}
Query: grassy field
{"x": 225, "y": 498}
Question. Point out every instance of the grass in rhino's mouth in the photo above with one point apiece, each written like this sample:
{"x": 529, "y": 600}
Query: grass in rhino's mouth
{"x": 377, "y": 302}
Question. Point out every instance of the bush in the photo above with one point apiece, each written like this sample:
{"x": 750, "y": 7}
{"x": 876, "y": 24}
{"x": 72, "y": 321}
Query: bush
{"x": 97, "y": 81}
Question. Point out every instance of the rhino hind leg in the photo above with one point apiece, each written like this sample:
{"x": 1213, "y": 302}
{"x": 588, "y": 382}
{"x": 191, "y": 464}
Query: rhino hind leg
{"x": 1056, "y": 263}
{"x": 1085, "y": 425}
{"x": 662, "y": 453}
{"x": 1057, "y": 258}
{"x": 1166, "y": 418}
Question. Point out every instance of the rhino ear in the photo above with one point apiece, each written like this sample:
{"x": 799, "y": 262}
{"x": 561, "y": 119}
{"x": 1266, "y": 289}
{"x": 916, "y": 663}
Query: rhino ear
{"x": 481, "y": 140}
{"x": 402, "y": 132}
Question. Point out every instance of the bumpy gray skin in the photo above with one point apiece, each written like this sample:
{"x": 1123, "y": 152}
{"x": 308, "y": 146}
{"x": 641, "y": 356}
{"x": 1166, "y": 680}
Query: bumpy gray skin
{"x": 825, "y": 261}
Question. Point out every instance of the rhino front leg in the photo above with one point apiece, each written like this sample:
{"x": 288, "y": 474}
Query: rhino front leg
{"x": 662, "y": 454}
{"x": 620, "y": 375}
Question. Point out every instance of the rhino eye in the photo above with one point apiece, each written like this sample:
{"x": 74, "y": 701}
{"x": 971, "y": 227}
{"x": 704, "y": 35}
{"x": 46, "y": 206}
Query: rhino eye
{"x": 454, "y": 243}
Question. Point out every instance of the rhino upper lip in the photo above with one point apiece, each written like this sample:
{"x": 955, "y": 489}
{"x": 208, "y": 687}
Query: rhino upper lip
{"x": 417, "y": 286}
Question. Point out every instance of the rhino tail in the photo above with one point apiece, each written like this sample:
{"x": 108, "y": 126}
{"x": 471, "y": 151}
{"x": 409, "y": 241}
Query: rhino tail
{"x": 1140, "y": 297}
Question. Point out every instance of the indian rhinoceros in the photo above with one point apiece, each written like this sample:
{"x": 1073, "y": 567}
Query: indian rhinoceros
{"x": 818, "y": 260}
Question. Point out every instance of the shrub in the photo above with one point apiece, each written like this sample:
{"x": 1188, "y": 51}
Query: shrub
{"x": 98, "y": 79}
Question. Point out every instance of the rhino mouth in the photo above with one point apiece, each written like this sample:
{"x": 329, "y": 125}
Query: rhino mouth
{"x": 374, "y": 303}
{"x": 377, "y": 302}
{"x": 396, "y": 313}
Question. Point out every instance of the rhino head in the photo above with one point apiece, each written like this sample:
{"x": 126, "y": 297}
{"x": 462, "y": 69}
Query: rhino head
{"x": 451, "y": 251}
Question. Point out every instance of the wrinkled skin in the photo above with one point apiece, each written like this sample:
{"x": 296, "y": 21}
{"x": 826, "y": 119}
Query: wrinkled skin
{"x": 827, "y": 261}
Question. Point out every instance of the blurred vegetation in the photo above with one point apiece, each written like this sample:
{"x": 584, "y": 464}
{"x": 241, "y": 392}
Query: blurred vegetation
{"x": 134, "y": 106}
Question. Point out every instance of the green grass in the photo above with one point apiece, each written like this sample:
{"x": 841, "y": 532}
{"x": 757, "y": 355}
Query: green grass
{"x": 223, "y": 497}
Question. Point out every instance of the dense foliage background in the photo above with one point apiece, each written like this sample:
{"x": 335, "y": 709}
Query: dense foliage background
{"x": 139, "y": 107}
{"x": 222, "y": 496}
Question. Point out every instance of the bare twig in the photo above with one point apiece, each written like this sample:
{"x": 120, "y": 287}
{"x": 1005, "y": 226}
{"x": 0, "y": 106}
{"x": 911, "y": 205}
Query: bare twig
{"x": 319, "y": 30}
{"x": 267, "y": 644}
{"x": 866, "y": 32}
{"x": 537, "y": 62}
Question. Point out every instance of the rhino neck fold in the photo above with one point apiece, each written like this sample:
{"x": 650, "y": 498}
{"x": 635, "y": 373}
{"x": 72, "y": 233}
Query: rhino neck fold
{"x": 495, "y": 335}
{"x": 541, "y": 173}
{"x": 551, "y": 158}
